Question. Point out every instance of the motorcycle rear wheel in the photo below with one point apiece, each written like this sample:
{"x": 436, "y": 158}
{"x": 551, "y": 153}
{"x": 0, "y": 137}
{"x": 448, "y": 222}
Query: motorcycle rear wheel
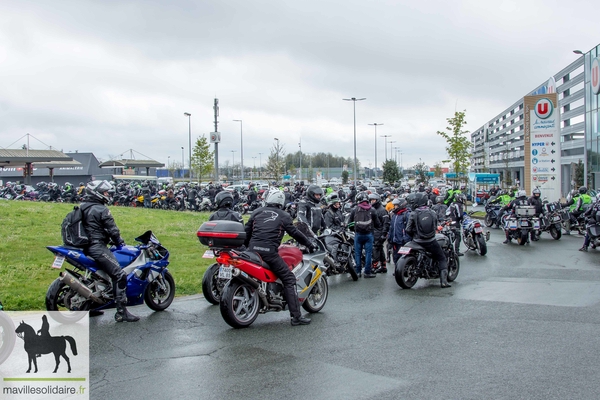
{"x": 481, "y": 245}
{"x": 404, "y": 272}
{"x": 7, "y": 336}
{"x": 55, "y": 302}
{"x": 239, "y": 304}
{"x": 555, "y": 233}
{"x": 210, "y": 284}
{"x": 157, "y": 298}
{"x": 318, "y": 296}
{"x": 523, "y": 236}
{"x": 453, "y": 268}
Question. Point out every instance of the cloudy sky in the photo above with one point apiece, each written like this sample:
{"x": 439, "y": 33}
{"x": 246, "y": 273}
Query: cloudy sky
{"x": 109, "y": 76}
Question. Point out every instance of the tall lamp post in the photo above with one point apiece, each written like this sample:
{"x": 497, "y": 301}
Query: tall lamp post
{"x": 190, "y": 136}
{"x": 241, "y": 148}
{"x": 277, "y": 161}
{"x": 354, "y": 100}
{"x": 260, "y": 165}
{"x": 300, "y": 146}
{"x": 375, "y": 124}
{"x": 391, "y": 147}
{"x": 254, "y": 159}
{"x": 386, "y": 136}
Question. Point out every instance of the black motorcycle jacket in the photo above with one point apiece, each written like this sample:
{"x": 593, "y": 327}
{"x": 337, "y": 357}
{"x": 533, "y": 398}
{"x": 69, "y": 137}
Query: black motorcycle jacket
{"x": 334, "y": 219}
{"x": 252, "y": 196}
{"x": 99, "y": 223}
{"x": 266, "y": 227}
{"x": 380, "y": 233}
{"x": 311, "y": 214}
{"x": 537, "y": 203}
{"x": 225, "y": 214}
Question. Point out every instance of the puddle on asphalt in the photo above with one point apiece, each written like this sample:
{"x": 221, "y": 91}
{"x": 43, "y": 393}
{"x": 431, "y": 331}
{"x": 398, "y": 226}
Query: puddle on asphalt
{"x": 533, "y": 291}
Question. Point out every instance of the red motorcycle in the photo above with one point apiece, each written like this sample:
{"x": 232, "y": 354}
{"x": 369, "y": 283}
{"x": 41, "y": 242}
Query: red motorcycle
{"x": 253, "y": 288}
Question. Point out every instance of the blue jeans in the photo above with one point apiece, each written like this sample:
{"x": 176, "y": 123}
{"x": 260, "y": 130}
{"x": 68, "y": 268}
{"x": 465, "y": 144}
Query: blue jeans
{"x": 363, "y": 240}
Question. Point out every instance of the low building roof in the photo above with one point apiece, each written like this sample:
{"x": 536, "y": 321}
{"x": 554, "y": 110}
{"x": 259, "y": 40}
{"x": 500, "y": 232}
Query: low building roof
{"x": 20, "y": 157}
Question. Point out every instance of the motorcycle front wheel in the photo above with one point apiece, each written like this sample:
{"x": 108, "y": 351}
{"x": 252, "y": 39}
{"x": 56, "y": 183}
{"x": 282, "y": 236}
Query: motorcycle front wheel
{"x": 55, "y": 301}
{"x": 210, "y": 284}
{"x": 488, "y": 221}
{"x": 453, "y": 268}
{"x": 317, "y": 297}
{"x": 405, "y": 272}
{"x": 481, "y": 245}
{"x": 7, "y": 336}
{"x": 239, "y": 304}
{"x": 556, "y": 233}
{"x": 159, "y": 294}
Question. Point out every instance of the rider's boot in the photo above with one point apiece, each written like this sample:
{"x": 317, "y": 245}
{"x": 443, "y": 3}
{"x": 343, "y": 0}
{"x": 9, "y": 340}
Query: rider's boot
{"x": 123, "y": 315}
{"x": 584, "y": 248}
{"x": 444, "y": 279}
{"x": 507, "y": 241}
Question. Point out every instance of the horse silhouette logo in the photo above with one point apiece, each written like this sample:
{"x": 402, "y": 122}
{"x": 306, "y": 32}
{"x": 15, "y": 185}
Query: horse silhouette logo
{"x": 40, "y": 343}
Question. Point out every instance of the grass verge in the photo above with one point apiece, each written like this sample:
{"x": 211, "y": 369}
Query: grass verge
{"x": 28, "y": 227}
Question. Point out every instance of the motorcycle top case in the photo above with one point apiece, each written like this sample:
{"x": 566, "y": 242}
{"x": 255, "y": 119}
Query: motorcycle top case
{"x": 525, "y": 211}
{"x": 222, "y": 234}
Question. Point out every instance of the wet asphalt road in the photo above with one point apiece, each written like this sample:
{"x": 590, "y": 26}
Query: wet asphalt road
{"x": 519, "y": 323}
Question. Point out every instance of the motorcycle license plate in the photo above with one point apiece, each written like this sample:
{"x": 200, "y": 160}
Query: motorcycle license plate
{"x": 404, "y": 250}
{"x": 58, "y": 262}
{"x": 536, "y": 225}
{"x": 225, "y": 272}
{"x": 524, "y": 223}
{"x": 479, "y": 230}
{"x": 512, "y": 224}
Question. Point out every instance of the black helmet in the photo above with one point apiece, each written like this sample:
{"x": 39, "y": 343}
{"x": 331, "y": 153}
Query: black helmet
{"x": 224, "y": 199}
{"x": 399, "y": 203}
{"x": 411, "y": 199}
{"x": 99, "y": 190}
{"x": 312, "y": 191}
{"x": 439, "y": 199}
{"x": 375, "y": 196}
{"x": 361, "y": 197}
{"x": 583, "y": 190}
{"x": 352, "y": 187}
{"x": 537, "y": 192}
{"x": 420, "y": 199}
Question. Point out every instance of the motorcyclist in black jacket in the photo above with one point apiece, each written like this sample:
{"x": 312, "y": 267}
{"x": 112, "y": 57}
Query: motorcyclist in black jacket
{"x": 309, "y": 210}
{"x": 224, "y": 202}
{"x": 101, "y": 229}
{"x": 333, "y": 217}
{"x": 455, "y": 214}
{"x": 536, "y": 201}
{"x": 379, "y": 235}
{"x": 264, "y": 231}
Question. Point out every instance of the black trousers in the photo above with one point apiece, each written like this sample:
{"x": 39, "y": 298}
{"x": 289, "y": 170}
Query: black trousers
{"x": 437, "y": 253}
{"x": 379, "y": 251}
{"x": 107, "y": 262}
{"x": 281, "y": 269}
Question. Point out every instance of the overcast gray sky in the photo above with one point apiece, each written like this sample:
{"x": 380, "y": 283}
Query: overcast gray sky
{"x": 109, "y": 76}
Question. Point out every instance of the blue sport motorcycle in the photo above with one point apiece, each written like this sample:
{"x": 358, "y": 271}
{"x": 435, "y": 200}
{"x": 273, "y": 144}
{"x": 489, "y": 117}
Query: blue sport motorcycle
{"x": 87, "y": 288}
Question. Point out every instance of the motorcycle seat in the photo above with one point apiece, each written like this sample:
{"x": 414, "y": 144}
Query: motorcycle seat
{"x": 253, "y": 257}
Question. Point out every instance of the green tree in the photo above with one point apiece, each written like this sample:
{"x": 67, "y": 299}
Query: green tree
{"x": 276, "y": 162}
{"x": 458, "y": 143}
{"x": 202, "y": 158}
{"x": 344, "y": 177}
{"x": 579, "y": 172}
{"x": 420, "y": 174}
{"x": 390, "y": 171}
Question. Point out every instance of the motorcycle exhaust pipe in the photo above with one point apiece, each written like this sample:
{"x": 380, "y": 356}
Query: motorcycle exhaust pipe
{"x": 237, "y": 274}
{"x": 71, "y": 281}
{"x": 487, "y": 236}
{"x": 329, "y": 260}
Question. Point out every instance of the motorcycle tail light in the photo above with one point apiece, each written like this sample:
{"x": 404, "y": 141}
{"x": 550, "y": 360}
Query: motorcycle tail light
{"x": 477, "y": 225}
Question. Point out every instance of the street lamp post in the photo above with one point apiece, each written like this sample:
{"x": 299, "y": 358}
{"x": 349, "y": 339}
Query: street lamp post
{"x": 190, "y": 136}
{"x": 260, "y": 165}
{"x": 241, "y": 149}
{"x": 375, "y": 124}
{"x": 585, "y": 164}
{"x": 386, "y": 136}
{"x": 391, "y": 147}
{"x": 252, "y": 175}
{"x": 354, "y": 100}
{"x": 277, "y": 161}
{"x": 300, "y": 146}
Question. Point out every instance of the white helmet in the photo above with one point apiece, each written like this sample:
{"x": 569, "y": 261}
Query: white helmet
{"x": 275, "y": 197}
{"x": 521, "y": 193}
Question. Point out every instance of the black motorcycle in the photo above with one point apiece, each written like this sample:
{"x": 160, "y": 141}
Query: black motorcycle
{"x": 416, "y": 262}
{"x": 492, "y": 215}
{"x": 550, "y": 220}
{"x": 340, "y": 245}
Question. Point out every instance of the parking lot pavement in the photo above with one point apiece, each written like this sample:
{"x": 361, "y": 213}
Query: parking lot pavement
{"x": 520, "y": 322}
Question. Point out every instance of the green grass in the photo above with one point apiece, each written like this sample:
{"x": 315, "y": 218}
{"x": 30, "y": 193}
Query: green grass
{"x": 28, "y": 227}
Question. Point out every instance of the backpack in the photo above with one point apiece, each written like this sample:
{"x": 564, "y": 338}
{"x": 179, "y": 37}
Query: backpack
{"x": 426, "y": 224}
{"x": 72, "y": 229}
{"x": 363, "y": 223}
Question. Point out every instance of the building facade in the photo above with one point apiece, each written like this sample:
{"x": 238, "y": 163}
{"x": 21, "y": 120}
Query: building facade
{"x": 498, "y": 145}
{"x": 592, "y": 117}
